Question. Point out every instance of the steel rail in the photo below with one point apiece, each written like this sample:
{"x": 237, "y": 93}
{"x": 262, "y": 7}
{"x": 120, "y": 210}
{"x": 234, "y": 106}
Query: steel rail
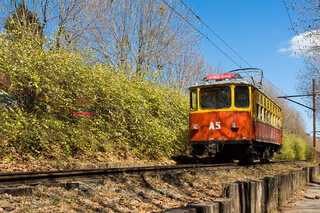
{"x": 35, "y": 178}
{"x": 45, "y": 176}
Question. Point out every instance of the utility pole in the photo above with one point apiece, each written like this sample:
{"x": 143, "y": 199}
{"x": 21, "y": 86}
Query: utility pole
{"x": 314, "y": 120}
{"x": 314, "y": 108}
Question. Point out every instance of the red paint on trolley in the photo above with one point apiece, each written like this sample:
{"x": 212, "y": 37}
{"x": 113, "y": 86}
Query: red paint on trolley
{"x": 247, "y": 129}
{"x": 225, "y": 132}
{"x": 267, "y": 133}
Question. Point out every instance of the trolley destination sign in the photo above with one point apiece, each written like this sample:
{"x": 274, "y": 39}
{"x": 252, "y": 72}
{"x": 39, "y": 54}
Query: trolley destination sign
{"x": 220, "y": 76}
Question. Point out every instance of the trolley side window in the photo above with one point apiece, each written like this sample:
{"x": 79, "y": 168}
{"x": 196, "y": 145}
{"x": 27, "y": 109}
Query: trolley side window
{"x": 193, "y": 100}
{"x": 241, "y": 97}
{"x": 258, "y": 106}
{"x": 215, "y": 98}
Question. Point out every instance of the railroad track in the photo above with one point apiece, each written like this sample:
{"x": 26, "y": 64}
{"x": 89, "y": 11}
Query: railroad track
{"x": 33, "y": 178}
{"x": 46, "y": 177}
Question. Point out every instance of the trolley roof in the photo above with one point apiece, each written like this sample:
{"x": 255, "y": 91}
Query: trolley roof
{"x": 225, "y": 81}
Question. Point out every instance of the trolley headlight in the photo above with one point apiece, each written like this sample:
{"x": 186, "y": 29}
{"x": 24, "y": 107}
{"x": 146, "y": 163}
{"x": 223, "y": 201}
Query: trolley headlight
{"x": 195, "y": 126}
{"x": 234, "y": 125}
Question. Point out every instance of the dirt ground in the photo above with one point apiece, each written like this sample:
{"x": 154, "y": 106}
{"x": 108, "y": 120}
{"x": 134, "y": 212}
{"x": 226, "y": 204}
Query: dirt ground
{"x": 139, "y": 193}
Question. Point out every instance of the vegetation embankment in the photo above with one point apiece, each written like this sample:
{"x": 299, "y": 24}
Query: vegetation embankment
{"x": 132, "y": 116}
{"x": 119, "y": 59}
{"x": 294, "y": 147}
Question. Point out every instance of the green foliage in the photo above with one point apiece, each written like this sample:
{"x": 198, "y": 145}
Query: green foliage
{"x": 131, "y": 114}
{"x": 38, "y": 76}
{"x": 148, "y": 117}
{"x": 294, "y": 148}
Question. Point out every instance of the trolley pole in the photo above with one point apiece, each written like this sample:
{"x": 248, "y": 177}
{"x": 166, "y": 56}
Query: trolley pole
{"x": 314, "y": 121}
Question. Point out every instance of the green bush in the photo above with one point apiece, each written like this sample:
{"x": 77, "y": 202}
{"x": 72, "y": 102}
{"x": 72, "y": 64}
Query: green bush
{"x": 148, "y": 117}
{"x": 294, "y": 148}
{"x": 131, "y": 114}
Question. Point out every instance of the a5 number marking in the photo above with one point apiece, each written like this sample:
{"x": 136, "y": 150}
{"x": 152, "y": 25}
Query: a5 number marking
{"x": 215, "y": 125}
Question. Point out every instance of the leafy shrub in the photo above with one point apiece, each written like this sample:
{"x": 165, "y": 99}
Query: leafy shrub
{"x": 131, "y": 114}
{"x": 147, "y": 117}
{"x": 294, "y": 148}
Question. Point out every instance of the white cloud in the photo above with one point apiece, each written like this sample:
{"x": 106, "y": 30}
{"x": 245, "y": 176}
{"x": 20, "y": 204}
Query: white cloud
{"x": 305, "y": 44}
{"x": 282, "y": 50}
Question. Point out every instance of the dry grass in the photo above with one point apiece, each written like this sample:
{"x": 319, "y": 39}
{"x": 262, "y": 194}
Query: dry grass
{"x": 16, "y": 163}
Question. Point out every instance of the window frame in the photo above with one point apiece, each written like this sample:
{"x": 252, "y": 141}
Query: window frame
{"x": 247, "y": 97}
{"x": 194, "y": 91}
{"x": 224, "y": 108}
{"x": 267, "y": 111}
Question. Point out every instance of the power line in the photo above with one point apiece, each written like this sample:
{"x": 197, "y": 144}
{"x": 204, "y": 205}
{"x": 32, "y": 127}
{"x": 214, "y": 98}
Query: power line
{"x": 219, "y": 37}
{"x": 225, "y": 54}
{"x": 287, "y": 9}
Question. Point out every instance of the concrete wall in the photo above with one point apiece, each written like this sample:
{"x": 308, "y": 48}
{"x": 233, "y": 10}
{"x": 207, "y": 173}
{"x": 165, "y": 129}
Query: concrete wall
{"x": 260, "y": 196}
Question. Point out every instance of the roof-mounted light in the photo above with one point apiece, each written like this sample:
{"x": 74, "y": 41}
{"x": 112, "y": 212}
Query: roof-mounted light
{"x": 220, "y": 76}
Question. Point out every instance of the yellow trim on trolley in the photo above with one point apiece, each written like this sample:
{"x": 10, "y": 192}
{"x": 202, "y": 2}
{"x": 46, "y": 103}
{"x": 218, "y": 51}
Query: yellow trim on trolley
{"x": 231, "y": 108}
{"x": 263, "y": 108}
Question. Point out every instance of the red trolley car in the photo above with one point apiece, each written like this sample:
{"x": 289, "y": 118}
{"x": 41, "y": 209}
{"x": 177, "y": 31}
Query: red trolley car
{"x": 233, "y": 119}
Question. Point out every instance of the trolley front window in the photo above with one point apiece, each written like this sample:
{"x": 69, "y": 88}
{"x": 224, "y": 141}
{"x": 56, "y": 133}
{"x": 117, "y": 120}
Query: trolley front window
{"x": 215, "y": 98}
{"x": 241, "y": 97}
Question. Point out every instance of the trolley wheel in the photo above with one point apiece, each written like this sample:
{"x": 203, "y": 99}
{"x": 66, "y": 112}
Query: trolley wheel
{"x": 198, "y": 150}
{"x": 221, "y": 159}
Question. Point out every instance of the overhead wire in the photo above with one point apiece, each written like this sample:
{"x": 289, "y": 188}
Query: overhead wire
{"x": 216, "y": 34}
{"x": 291, "y": 22}
{"x": 202, "y": 34}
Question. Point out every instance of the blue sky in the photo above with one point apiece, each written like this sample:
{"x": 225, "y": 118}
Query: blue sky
{"x": 257, "y": 30}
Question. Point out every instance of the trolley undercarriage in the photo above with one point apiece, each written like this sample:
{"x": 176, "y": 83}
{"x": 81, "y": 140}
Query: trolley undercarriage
{"x": 245, "y": 151}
